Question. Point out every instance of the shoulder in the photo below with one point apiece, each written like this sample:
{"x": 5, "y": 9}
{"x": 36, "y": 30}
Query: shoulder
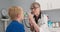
{"x": 15, "y": 26}
{"x": 44, "y": 17}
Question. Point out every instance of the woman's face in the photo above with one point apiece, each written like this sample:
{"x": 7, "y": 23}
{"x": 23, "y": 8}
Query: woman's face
{"x": 35, "y": 9}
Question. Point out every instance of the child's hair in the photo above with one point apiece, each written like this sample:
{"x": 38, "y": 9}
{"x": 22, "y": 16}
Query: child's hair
{"x": 13, "y": 11}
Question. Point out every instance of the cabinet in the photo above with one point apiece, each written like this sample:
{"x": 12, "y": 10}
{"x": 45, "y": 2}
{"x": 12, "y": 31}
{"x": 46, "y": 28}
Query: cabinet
{"x": 49, "y": 4}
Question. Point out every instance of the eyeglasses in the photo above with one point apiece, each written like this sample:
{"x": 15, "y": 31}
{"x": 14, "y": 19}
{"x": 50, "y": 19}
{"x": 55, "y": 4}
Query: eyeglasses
{"x": 34, "y": 8}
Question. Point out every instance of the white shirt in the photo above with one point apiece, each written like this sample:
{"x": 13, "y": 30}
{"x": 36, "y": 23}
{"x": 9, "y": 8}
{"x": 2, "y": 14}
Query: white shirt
{"x": 43, "y": 22}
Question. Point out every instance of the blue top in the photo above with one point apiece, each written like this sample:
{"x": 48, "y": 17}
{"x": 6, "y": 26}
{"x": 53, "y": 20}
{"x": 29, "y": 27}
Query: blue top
{"x": 15, "y": 26}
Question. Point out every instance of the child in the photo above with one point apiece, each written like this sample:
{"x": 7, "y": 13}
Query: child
{"x": 16, "y": 15}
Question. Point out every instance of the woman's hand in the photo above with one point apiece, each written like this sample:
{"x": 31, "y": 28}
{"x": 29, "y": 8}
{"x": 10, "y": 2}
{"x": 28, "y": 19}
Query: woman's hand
{"x": 32, "y": 22}
{"x": 31, "y": 19}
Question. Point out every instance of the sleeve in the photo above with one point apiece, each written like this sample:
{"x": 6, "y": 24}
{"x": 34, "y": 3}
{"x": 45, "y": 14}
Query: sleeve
{"x": 44, "y": 28}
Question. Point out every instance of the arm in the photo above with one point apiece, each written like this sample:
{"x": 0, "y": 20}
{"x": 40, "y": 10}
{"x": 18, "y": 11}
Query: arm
{"x": 32, "y": 21}
{"x": 36, "y": 27}
{"x": 31, "y": 27}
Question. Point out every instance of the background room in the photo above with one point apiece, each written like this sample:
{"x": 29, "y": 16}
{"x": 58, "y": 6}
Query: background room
{"x": 49, "y": 7}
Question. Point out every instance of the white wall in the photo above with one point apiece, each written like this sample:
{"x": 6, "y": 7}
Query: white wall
{"x": 23, "y": 3}
{"x": 56, "y": 4}
{"x": 43, "y": 4}
{"x": 4, "y": 4}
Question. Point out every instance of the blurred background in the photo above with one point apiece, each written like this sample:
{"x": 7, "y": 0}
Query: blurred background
{"x": 49, "y": 7}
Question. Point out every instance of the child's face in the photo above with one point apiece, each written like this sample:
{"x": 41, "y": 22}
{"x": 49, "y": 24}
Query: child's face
{"x": 21, "y": 16}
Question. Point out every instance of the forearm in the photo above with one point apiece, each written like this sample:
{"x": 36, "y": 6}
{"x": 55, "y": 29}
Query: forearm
{"x": 36, "y": 27}
{"x": 32, "y": 21}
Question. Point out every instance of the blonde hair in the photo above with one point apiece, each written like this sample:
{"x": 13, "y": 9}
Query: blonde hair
{"x": 13, "y": 11}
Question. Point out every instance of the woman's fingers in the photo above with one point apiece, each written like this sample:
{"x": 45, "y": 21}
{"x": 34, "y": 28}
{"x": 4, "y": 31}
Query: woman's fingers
{"x": 30, "y": 15}
{"x": 31, "y": 19}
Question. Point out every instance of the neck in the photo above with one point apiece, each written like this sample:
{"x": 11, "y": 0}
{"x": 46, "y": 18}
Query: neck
{"x": 17, "y": 20}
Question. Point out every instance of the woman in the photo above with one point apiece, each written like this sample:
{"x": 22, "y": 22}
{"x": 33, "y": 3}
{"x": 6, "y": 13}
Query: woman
{"x": 38, "y": 21}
